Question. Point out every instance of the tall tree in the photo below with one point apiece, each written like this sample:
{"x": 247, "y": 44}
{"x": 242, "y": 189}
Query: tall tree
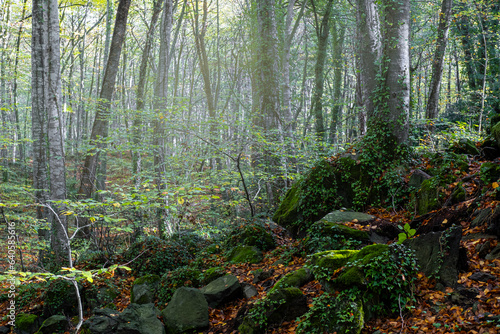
{"x": 437, "y": 64}
{"x": 99, "y": 133}
{"x": 47, "y": 121}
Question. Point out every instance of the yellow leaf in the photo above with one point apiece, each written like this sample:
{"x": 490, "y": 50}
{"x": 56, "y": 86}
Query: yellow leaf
{"x": 180, "y": 200}
{"x": 494, "y": 185}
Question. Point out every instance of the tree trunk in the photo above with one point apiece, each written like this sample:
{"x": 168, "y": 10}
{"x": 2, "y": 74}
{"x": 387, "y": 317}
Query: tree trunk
{"x": 437, "y": 65}
{"x": 100, "y": 128}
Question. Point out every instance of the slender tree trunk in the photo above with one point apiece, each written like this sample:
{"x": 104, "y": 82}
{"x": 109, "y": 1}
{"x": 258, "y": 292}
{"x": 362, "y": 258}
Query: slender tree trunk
{"x": 100, "y": 128}
{"x": 437, "y": 65}
{"x": 338, "y": 45}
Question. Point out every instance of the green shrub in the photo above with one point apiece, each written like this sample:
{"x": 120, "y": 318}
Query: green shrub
{"x": 251, "y": 234}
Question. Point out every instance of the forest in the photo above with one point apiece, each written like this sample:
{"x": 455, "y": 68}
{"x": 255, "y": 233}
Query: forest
{"x": 249, "y": 166}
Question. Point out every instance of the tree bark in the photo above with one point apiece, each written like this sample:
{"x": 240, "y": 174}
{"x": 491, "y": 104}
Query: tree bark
{"x": 101, "y": 122}
{"x": 437, "y": 65}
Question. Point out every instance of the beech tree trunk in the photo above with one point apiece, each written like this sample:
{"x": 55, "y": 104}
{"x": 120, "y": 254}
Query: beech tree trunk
{"x": 101, "y": 122}
{"x": 437, "y": 65}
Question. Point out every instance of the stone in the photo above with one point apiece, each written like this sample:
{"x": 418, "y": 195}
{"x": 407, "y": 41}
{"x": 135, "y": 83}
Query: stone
{"x": 438, "y": 254}
{"x": 483, "y": 249}
{"x": 482, "y": 277}
{"x": 489, "y": 172}
{"x": 465, "y": 146}
{"x": 260, "y": 275}
{"x": 222, "y": 290}
{"x": 495, "y": 132}
{"x": 348, "y": 216}
{"x": 104, "y": 321}
{"x": 186, "y": 311}
{"x": 212, "y": 274}
{"x": 54, "y": 324}
{"x": 427, "y": 197}
{"x": 481, "y": 217}
{"x": 326, "y": 235}
{"x": 417, "y": 178}
{"x": 249, "y": 290}
{"x": 494, "y": 222}
{"x": 4, "y": 330}
{"x": 140, "y": 319}
{"x": 26, "y": 323}
{"x": 144, "y": 289}
{"x": 494, "y": 254}
{"x": 294, "y": 279}
{"x": 251, "y": 235}
{"x": 250, "y": 254}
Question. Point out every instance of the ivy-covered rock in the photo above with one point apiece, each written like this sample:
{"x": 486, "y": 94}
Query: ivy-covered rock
{"x": 489, "y": 172}
{"x": 144, "y": 289}
{"x": 251, "y": 234}
{"x": 250, "y": 254}
{"x": 27, "y": 323}
{"x": 156, "y": 256}
{"x": 326, "y": 235}
{"x": 172, "y": 280}
{"x": 333, "y": 314}
{"x": 187, "y": 311}
{"x": 428, "y": 196}
{"x": 294, "y": 279}
{"x": 54, "y": 324}
{"x": 223, "y": 289}
{"x": 324, "y": 264}
{"x": 278, "y": 306}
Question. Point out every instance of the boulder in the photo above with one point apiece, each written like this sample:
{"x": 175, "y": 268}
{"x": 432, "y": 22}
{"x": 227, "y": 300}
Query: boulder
{"x": 438, "y": 254}
{"x": 54, "y": 324}
{"x": 249, "y": 290}
{"x": 136, "y": 319}
{"x": 144, "y": 288}
{"x": 480, "y": 217}
{"x": 294, "y": 279}
{"x": 326, "y": 235}
{"x": 489, "y": 172}
{"x": 223, "y": 289}
{"x": 279, "y": 305}
{"x": 250, "y": 254}
{"x": 494, "y": 222}
{"x": 252, "y": 234}
{"x": 417, "y": 178}
{"x": 26, "y": 323}
{"x": 186, "y": 311}
{"x": 324, "y": 264}
{"x": 494, "y": 254}
{"x": 140, "y": 319}
{"x": 428, "y": 196}
{"x": 495, "y": 132}
{"x": 330, "y": 319}
{"x": 260, "y": 275}
{"x": 348, "y": 216}
{"x": 212, "y": 274}
{"x": 60, "y": 298}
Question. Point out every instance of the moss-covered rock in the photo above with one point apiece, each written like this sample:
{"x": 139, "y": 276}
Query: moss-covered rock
{"x": 250, "y": 254}
{"x": 54, "y": 324}
{"x": 144, "y": 289}
{"x": 495, "y": 133}
{"x": 326, "y": 235}
{"x": 489, "y": 172}
{"x": 27, "y": 323}
{"x": 279, "y": 305}
{"x": 295, "y": 279}
{"x": 332, "y": 314}
{"x": 186, "y": 312}
{"x": 252, "y": 234}
{"x": 329, "y": 261}
{"x": 458, "y": 195}
{"x": 212, "y": 274}
{"x": 174, "y": 279}
{"x": 428, "y": 196}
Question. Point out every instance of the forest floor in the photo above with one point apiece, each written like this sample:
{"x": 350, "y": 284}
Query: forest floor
{"x": 432, "y": 311}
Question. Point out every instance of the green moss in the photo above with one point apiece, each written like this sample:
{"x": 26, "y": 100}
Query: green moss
{"x": 495, "y": 132}
{"x": 489, "y": 172}
{"x": 295, "y": 279}
{"x": 249, "y": 254}
{"x": 147, "y": 279}
{"x": 251, "y": 234}
{"x": 351, "y": 277}
{"x": 25, "y": 321}
{"x": 287, "y": 212}
{"x": 368, "y": 253}
{"x": 212, "y": 274}
{"x": 428, "y": 196}
{"x": 339, "y": 229}
{"x": 332, "y": 260}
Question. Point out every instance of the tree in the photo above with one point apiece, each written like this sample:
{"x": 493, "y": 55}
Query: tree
{"x": 48, "y": 122}
{"x": 99, "y": 133}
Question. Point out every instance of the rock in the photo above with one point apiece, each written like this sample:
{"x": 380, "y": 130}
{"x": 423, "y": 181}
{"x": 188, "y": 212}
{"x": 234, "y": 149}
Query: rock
{"x": 417, "y": 178}
{"x": 249, "y": 290}
{"x": 438, "y": 254}
{"x": 250, "y": 254}
{"x": 481, "y": 217}
{"x": 348, "y": 216}
{"x": 494, "y": 254}
{"x": 428, "y": 197}
{"x": 464, "y": 146}
{"x": 140, "y": 319}
{"x": 294, "y": 279}
{"x": 458, "y": 195}
{"x": 494, "y": 222}
{"x": 325, "y": 263}
{"x": 4, "y": 330}
{"x": 60, "y": 298}
{"x": 26, "y": 323}
{"x": 489, "y": 172}
{"x": 223, "y": 289}
{"x": 187, "y": 310}
{"x": 54, "y": 324}
{"x": 326, "y": 235}
{"x": 495, "y": 133}
{"x": 104, "y": 321}
{"x": 279, "y": 306}
{"x": 144, "y": 288}
{"x": 252, "y": 234}
{"x": 483, "y": 249}
{"x": 212, "y": 274}
{"x": 260, "y": 275}
{"x": 326, "y": 320}
{"x": 482, "y": 277}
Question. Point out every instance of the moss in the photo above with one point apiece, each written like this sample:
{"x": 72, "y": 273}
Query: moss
{"x": 249, "y": 254}
{"x": 252, "y": 234}
{"x": 295, "y": 279}
{"x": 495, "y": 132}
{"x": 489, "y": 172}
{"x": 25, "y": 322}
{"x": 212, "y": 274}
{"x": 147, "y": 279}
{"x": 458, "y": 195}
{"x": 427, "y": 197}
{"x": 339, "y": 229}
{"x": 288, "y": 210}
{"x": 332, "y": 260}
